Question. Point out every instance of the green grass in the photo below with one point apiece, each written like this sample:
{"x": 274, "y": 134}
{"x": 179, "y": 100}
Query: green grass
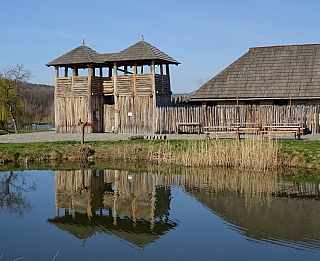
{"x": 306, "y": 152}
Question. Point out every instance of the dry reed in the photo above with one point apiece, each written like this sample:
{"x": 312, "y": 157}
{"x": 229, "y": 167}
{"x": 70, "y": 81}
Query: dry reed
{"x": 255, "y": 187}
{"x": 255, "y": 155}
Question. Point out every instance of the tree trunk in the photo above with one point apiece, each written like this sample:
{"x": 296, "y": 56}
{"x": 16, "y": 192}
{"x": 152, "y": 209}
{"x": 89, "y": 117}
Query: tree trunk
{"x": 13, "y": 119}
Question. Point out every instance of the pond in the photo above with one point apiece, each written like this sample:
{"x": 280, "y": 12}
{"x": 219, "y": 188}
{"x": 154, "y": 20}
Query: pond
{"x": 185, "y": 215}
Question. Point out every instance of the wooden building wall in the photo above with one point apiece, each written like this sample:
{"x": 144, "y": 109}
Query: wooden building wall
{"x": 135, "y": 101}
{"x": 78, "y": 98}
{"x": 82, "y": 97}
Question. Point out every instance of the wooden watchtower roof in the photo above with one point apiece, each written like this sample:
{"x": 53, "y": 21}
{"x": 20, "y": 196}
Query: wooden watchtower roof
{"x": 141, "y": 53}
{"x": 82, "y": 56}
{"x": 287, "y": 72}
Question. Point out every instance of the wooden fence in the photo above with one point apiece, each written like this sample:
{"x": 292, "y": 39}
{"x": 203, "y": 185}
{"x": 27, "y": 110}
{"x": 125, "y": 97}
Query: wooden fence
{"x": 168, "y": 117}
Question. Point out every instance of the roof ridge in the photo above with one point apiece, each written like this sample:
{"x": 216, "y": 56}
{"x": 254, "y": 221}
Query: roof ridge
{"x": 280, "y": 46}
{"x": 150, "y": 48}
{"x": 91, "y": 53}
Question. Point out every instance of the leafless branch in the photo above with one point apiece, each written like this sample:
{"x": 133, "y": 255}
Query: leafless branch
{"x": 56, "y": 255}
{"x": 19, "y": 258}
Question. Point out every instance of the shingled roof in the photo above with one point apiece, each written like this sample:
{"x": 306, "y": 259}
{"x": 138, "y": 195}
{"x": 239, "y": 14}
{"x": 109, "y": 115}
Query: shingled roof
{"x": 141, "y": 51}
{"x": 274, "y": 72}
{"x": 80, "y": 55}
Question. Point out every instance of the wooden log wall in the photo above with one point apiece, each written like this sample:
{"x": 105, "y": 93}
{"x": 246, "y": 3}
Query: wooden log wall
{"x": 143, "y": 85}
{"x": 167, "y": 117}
{"x": 135, "y": 114}
{"x": 107, "y": 85}
{"x": 80, "y": 85}
{"x": 73, "y": 101}
{"x": 63, "y": 86}
{"x": 96, "y": 86}
{"x": 135, "y": 105}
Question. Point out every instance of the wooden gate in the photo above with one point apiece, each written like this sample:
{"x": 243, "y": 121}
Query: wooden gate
{"x": 108, "y": 118}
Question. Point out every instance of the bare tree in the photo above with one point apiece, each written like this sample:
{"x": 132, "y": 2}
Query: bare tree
{"x": 13, "y": 187}
{"x": 201, "y": 81}
{"x": 10, "y": 78}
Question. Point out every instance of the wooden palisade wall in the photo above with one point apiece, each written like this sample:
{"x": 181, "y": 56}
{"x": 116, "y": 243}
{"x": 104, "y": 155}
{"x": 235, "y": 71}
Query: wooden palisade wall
{"x": 224, "y": 115}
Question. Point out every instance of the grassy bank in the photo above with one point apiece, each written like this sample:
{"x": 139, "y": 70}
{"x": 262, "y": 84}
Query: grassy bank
{"x": 245, "y": 154}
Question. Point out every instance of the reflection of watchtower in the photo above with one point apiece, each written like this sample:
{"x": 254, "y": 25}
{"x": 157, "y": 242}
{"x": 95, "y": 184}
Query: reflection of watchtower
{"x": 118, "y": 92}
{"x": 137, "y": 197}
{"x": 132, "y": 206}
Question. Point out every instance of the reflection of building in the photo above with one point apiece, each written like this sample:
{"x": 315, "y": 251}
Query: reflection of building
{"x": 290, "y": 219}
{"x": 134, "y": 207}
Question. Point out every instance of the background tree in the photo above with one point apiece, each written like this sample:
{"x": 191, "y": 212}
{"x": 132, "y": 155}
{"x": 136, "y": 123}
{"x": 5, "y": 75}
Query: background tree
{"x": 13, "y": 190}
{"x": 10, "y": 102}
{"x": 39, "y": 103}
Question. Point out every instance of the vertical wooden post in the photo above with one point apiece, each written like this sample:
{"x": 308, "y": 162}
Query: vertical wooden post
{"x": 66, "y": 71}
{"x": 90, "y": 94}
{"x": 154, "y": 98}
{"x": 72, "y": 100}
{"x": 116, "y": 105}
{"x": 134, "y": 111}
{"x": 162, "y": 86}
{"x": 110, "y": 71}
{"x": 82, "y": 127}
{"x": 168, "y": 76}
{"x": 56, "y": 76}
{"x": 101, "y": 72}
{"x": 116, "y": 195}
{"x": 167, "y": 70}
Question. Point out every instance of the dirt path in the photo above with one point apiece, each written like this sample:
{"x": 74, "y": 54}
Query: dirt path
{"x": 50, "y": 136}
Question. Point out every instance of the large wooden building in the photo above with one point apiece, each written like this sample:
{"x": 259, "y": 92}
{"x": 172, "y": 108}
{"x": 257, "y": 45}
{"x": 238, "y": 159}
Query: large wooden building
{"x": 114, "y": 92}
{"x": 273, "y": 75}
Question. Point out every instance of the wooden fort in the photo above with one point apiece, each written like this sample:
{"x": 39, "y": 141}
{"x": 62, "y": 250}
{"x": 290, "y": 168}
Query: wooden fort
{"x": 115, "y": 92}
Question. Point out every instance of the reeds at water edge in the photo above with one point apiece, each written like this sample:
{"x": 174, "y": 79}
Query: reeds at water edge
{"x": 254, "y": 155}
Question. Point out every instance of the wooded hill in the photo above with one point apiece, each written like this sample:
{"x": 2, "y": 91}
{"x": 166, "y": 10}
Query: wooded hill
{"x": 39, "y": 102}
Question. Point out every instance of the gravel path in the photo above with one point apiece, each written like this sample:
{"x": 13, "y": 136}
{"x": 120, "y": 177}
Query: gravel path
{"x": 49, "y": 136}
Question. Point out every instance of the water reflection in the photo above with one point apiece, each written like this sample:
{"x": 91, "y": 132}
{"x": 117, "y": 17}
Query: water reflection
{"x": 13, "y": 190}
{"x": 261, "y": 207}
{"x": 136, "y": 206}
{"x": 132, "y": 206}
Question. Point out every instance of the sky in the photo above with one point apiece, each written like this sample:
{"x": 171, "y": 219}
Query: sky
{"x": 205, "y": 36}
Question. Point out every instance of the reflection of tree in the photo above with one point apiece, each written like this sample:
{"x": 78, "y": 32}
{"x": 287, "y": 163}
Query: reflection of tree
{"x": 13, "y": 189}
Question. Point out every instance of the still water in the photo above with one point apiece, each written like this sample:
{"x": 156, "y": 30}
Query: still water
{"x": 124, "y": 215}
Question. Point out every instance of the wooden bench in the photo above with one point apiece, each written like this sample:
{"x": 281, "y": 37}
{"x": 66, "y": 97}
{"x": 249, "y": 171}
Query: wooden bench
{"x": 219, "y": 132}
{"x": 248, "y": 128}
{"x": 300, "y": 129}
{"x": 279, "y": 134}
{"x": 282, "y": 130}
{"x": 193, "y": 125}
